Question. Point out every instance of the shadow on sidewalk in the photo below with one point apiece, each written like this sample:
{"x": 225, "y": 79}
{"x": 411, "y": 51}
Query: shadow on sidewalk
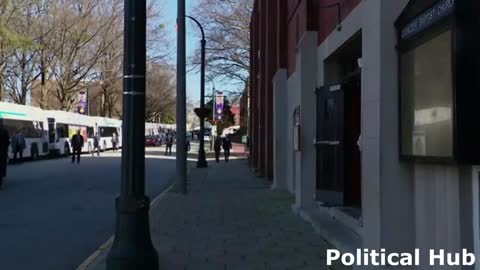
{"x": 231, "y": 219}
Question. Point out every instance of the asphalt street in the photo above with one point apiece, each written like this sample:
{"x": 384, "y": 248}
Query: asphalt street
{"x": 54, "y": 214}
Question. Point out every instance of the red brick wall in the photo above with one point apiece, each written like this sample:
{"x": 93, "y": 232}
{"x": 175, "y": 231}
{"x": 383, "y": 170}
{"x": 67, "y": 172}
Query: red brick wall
{"x": 268, "y": 38}
{"x": 254, "y": 43}
{"x": 277, "y": 27}
{"x": 301, "y": 18}
{"x": 327, "y": 17}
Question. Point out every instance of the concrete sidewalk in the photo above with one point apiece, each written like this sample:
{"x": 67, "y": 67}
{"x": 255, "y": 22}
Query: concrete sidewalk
{"x": 230, "y": 220}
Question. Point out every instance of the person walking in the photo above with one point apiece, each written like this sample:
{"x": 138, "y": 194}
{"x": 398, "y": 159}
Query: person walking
{"x": 4, "y": 143}
{"x": 18, "y": 145}
{"x": 227, "y": 145}
{"x": 188, "y": 145}
{"x": 168, "y": 145}
{"x": 96, "y": 144}
{"x": 77, "y": 144}
{"x": 114, "y": 141}
{"x": 217, "y": 147}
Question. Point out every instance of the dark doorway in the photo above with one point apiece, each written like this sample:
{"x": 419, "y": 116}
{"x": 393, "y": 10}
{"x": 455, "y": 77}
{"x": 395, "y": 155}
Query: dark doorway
{"x": 338, "y": 129}
{"x": 352, "y": 128}
{"x": 330, "y": 184}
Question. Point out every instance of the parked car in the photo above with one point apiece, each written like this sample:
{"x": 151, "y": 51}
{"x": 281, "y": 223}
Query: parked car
{"x": 151, "y": 141}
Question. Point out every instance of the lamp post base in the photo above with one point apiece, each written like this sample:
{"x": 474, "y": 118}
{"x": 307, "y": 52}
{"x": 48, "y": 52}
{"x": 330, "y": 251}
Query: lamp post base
{"x": 202, "y": 161}
{"x": 132, "y": 248}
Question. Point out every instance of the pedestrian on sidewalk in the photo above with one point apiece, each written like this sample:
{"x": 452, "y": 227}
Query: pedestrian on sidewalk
{"x": 4, "y": 143}
{"x": 77, "y": 145}
{"x": 188, "y": 145}
{"x": 217, "y": 147}
{"x": 96, "y": 144}
{"x": 227, "y": 145}
{"x": 168, "y": 145}
{"x": 18, "y": 145}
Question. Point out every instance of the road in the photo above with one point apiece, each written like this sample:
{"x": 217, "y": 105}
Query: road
{"x": 54, "y": 214}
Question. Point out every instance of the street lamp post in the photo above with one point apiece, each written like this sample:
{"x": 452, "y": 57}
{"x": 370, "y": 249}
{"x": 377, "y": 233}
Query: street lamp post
{"x": 132, "y": 247}
{"x": 181, "y": 154}
{"x": 202, "y": 112}
{"x": 213, "y": 111}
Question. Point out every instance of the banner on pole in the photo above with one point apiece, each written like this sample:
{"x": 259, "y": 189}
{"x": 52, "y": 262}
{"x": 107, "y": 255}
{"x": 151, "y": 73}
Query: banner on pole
{"x": 219, "y": 102}
{"x": 82, "y": 103}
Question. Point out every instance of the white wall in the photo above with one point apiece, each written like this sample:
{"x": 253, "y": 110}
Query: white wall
{"x": 280, "y": 127}
{"x": 293, "y": 158}
{"x": 406, "y": 205}
{"x": 307, "y": 69}
{"x": 387, "y": 183}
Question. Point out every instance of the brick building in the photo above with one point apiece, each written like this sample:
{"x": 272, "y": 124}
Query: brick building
{"x": 235, "y": 109}
{"x": 352, "y": 111}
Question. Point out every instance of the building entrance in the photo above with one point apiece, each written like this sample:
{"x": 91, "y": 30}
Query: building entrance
{"x": 338, "y": 131}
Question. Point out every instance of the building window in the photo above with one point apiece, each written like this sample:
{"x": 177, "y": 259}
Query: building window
{"x": 427, "y": 98}
{"x": 439, "y": 81}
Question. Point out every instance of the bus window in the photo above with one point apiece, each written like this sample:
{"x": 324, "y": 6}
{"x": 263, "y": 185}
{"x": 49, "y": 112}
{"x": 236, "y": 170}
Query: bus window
{"x": 35, "y": 129}
{"x": 28, "y": 128}
{"x": 107, "y": 131}
{"x": 62, "y": 130}
{"x": 90, "y": 132}
{"x": 51, "y": 130}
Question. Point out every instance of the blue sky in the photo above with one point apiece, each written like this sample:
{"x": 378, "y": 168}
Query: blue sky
{"x": 169, "y": 10}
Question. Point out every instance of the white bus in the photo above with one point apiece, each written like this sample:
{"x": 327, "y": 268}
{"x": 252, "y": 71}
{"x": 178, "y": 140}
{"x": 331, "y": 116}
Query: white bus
{"x": 32, "y": 122}
{"x": 63, "y": 125}
{"x": 153, "y": 129}
{"x": 118, "y": 123}
{"x": 106, "y": 127}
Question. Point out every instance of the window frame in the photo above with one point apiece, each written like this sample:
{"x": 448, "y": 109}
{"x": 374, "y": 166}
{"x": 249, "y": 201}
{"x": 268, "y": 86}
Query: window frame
{"x": 405, "y": 46}
{"x": 30, "y": 132}
{"x": 101, "y": 128}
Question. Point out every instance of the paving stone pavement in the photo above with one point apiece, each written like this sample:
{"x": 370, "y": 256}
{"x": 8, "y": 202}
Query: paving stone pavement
{"x": 229, "y": 220}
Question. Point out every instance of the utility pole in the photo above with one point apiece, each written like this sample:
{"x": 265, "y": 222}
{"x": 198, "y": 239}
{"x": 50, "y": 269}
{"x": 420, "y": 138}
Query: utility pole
{"x": 214, "y": 96}
{"x": 201, "y": 112}
{"x": 181, "y": 152}
{"x": 132, "y": 247}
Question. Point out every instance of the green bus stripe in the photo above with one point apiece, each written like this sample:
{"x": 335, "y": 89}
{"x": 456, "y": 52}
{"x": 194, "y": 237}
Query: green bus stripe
{"x": 12, "y": 113}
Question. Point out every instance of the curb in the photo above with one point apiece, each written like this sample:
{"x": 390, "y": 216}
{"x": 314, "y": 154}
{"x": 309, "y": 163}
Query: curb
{"x": 109, "y": 242}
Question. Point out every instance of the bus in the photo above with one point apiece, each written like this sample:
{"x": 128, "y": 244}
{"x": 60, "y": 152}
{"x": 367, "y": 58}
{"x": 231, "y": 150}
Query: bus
{"x": 153, "y": 129}
{"x": 106, "y": 127}
{"x": 63, "y": 125}
{"x": 32, "y": 122}
{"x": 119, "y": 124}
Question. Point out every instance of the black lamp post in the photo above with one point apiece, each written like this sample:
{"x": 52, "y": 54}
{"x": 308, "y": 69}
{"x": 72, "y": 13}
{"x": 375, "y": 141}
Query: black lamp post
{"x": 201, "y": 112}
{"x": 132, "y": 247}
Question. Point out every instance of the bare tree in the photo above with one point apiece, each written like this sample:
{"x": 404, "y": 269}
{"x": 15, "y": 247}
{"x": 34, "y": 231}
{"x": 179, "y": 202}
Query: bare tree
{"x": 58, "y": 48}
{"x": 109, "y": 66}
{"x": 21, "y": 67}
{"x": 227, "y": 30}
{"x": 77, "y": 45}
{"x": 160, "y": 99}
{"x": 10, "y": 13}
